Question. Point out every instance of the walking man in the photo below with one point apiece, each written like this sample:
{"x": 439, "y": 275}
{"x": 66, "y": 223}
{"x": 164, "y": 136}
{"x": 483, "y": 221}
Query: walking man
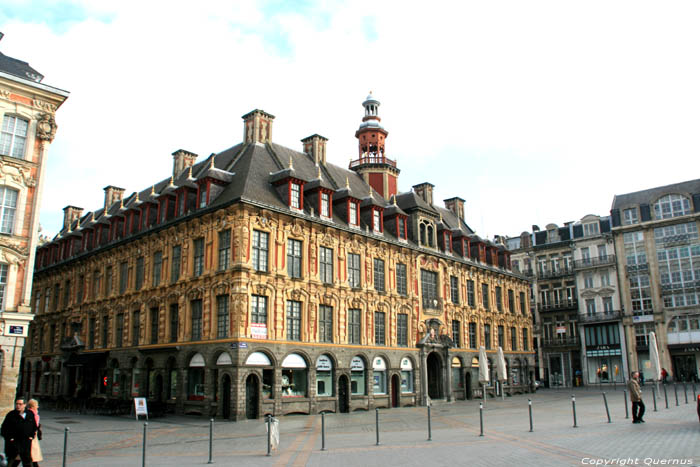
{"x": 18, "y": 429}
{"x": 636, "y": 398}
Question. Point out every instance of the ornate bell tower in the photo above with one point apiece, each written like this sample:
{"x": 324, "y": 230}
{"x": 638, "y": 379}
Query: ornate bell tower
{"x": 378, "y": 171}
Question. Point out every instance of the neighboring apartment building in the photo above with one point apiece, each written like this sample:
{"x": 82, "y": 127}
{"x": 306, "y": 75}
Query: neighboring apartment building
{"x": 656, "y": 237}
{"x": 27, "y": 110}
{"x": 266, "y": 280}
{"x": 575, "y": 295}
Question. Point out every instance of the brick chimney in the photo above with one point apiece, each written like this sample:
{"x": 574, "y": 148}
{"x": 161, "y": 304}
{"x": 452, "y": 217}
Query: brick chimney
{"x": 182, "y": 160}
{"x": 70, "y": 214}
{"x": 456, "y": 205}
{"x": 112, "y": 195}
{"x": 315, "y": 147}
{"x": 425, "y": 191}
{"x": 257, "y": 127}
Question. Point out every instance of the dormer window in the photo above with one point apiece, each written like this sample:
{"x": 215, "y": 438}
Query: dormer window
{"x": 630, "y": 216}
{"x": 203, "y": 191}
{"x": 294, "y": 195}
{"x": 353, "y": 211}
{"x": 426, "y": 233}
{"x": 671, "y": 206}
{"x": 377, "y": 220}
{"x": 590, "y": 229}
{"x": 401, "y": 231}
{"x": 447, "y": 241}
{"x": 325, "y": 205}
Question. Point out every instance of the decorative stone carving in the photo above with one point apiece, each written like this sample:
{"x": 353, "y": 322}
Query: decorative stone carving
{"x": 4, "y": 93}
{"x": 46, "y": 127}
{"x": 46, "y": 106}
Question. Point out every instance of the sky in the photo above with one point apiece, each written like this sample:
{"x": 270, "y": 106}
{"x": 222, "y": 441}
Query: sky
{"x": 534, "y": 112}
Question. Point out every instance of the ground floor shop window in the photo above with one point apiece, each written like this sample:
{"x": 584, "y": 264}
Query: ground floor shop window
{"x": 605, "y": 369}
{"x": 268, "y": 384}
{"x": 406, "y": 375}
{"x": 295, "y": 376}
{"x": 195, "y": 378}
{"x": 324, "y": 376}
{"x": 172, "y": 387}
{"x": 457, "y": 374}
{"x": 357, "y": 376}
{"x": 379, "y": 381}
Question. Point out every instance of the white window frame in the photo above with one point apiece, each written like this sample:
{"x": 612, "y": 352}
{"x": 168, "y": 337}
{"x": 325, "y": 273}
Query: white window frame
{"x": 10, "y": 138}
{"x": 8, "y": 213}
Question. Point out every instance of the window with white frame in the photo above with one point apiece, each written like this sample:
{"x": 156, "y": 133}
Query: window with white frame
{"x": 325, "y": 205}
{"x": 591, "y": 229}
{"x": 3, "y": 284}
{"x": 8, "y": 207}
{"x": 605, "y": 278}
{"x": 260, "y": 246}
{"x": 294, "y": 258}
{"x": 326, "y": 265}
{"x": 354, "y": 270}
{"x": 588, "y": 280}
{"x": 295, "y": 195}
{"x": 590, "y": 306}
{"x": 671, "y": 206}
{"x": 608, "y": 304}
{"x": 629, "y": 216}
{"x": 352, "y": 214}
{"x": 13, "y": 137}
{"x": 376, "y": 221}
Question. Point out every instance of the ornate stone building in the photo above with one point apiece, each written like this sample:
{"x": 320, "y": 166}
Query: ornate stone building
{"x": 266, "y": 280}
{"x": 27, "y": 109}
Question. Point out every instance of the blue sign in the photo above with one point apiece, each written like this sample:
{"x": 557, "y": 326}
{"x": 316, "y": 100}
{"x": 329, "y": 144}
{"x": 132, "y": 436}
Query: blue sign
{"x": 16, "y": 330}
{"x": 243, "y": 345}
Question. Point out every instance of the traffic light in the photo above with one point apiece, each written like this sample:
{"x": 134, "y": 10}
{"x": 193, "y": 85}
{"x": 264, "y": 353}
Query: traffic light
{"x": 105, "y": 380}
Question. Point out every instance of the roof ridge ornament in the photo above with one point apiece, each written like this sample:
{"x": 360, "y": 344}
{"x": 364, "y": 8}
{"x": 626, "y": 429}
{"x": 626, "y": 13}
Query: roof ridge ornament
{"x": 189, "y": 175}
{"x": 291, "y": 165}
{"x": 153, "y": 190}
{"x": 347, "y": 182}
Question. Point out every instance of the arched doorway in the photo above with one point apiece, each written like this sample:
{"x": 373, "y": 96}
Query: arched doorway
{"x": 251, "y": 396}
{"x": 158, "y": 388}
{"x": 395, "y": 389}
{"x": 343, "y": 395}
{"x": 226, "y": 396}
{"x": 467, "y": 385}
{"x": 434, "y": 367}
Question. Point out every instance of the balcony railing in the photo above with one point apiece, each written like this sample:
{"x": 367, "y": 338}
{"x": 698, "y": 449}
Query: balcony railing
{"x": 690, "y": 286}
{"x": 594, "y": 262}
{"x": 600, "y": 316}
{"x": 632, "y": 268}
{"x": 372, "y": 160}
{"x": 680, "y": 239}
{"x": 551, "y": 273}
{"x": 556, "y": 306}
{"x": 562, "y": 342}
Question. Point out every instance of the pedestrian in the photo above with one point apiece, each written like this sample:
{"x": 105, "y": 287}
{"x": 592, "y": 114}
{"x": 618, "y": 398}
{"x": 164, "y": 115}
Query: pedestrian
{"x": 18, "y": 429}
{"x": 636, "y": 398}
{"x": 37, "y": 456}
{"x": 664, "y": 375}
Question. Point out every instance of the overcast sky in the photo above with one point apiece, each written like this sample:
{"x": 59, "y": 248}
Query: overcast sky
{"x": 533, "y": 112}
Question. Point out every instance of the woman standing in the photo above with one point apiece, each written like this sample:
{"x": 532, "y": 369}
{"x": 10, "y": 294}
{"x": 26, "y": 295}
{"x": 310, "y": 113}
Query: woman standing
{"x": 33, "y": 405}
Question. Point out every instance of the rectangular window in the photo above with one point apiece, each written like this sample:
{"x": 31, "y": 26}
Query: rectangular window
{"x": 326, "y": 265}
{"x": 526, "y": 346}
{"x": 501, "y": 337}
{"x": 454, "y": 289}
{"x": 379, "y": 275}
{"x": 258, "y": 311}
{"x": 472, "y": 336}
{"x": 354, "y": 326}
{"x": 325, "y": 205}
{"x": 499, "y": 298}
{"x": 485, "y": 296}
{"x": 354, "y": 270}
{"x": 139, "y": 272}
{"x": 260, "y": 245}
{"x": 402, "y": 329}
{"x": 456, "y": 335}
{"x": 8, "y": 206}
{"x": 513, "y": 339}
{"x": 13, "y": 136}
{"x": 222, "y": 318}
{"x": 66, "y": 294}
{"x": 154, "y": 325}
{"x": 293, "y": 320}
{"x": 135, "y": 327}
{"x": 123, "y": 276}
{"x": 629, "y": 216}
{"x": 91, "y": 334}
{"x": 522, "y": 302}
{"x": 325, "y": 323}
{"x": 119, "y": 331}
{"x": 590, "y": 306}
{"x": 401, "y": 226}
{"x": 352, "y": 208}
{"x": 295, "y": 195}
{"x": 174, "y": 322}
{"x": 224, "y": 249}
{"x": 379, "y": 328}
{"x": 175, "y": 264}
{"x": 608, "y": 304}
{"x": 429, "y": 289}
{"x": 198, "y": 257}
{"x": 157, "y": 267}
{"x": 81, "y": 288}
{"x": 487, "y": 336}
{"x": 401, "y": 279}
{"x": 196, "y": 310}
{"x": 376, "y": 221}
{"x": 511, "y": 301}
{"x": 294, "y": 258}
{"x": 105, "y": 331}
{"x": 471, "y": 300}
{"x": 588, "y": 280}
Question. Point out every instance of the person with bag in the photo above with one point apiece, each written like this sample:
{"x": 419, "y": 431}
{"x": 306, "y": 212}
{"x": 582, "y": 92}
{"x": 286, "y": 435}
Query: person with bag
{"x": 33, "y": 406}
{"x": 18, "y": 429}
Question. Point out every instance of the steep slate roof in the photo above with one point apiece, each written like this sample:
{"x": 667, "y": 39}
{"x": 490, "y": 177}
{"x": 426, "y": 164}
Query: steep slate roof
{"x": 19, "y": 68}
{"x": 651, "y": 195}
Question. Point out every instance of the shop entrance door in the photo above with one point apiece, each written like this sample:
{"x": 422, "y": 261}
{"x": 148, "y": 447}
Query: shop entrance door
{"x": 468, "y": 384}
{"x": 343, "y": 395}
{"x": 395, "y": 387}
{"x": 251, "y": 397}
{"x": 226, "y": 397}
{"x": 434, "y": 376}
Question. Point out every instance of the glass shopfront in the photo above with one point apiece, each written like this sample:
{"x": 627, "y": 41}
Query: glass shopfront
{"x": 357, "y": 376}
{"x": 294, "y": 376}
{"x": 379, "y": 367}
{"x": 406, "y": 375}
{"x": 324, "y": 376}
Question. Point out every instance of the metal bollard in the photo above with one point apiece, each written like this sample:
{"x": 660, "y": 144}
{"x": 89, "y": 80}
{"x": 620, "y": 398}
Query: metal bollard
{"x": 481, "y": 418}
{"x": 675, "y": 390}
{"x": 377, "y": 412}
{"x": 685, "y": 391}
{"x": 143, "y": 458}
{"x": 653, "y": 392}
{"x": 607, "y": 411}
{"x": 430, "y": 431}
{"x": 627, "y": 410}
{"x": 65, "y": 444}
{"x": 211, "y": 439}
{"x": 323, "y": 431}
{"x": 529, "y": 408}
{"x": 666, "y": 396}
{"x": 573, "y": 407}
{"x": 269, "y": 435}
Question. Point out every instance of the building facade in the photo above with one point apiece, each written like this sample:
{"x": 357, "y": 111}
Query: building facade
{"x": 267, "y": 280}
{"x": 656, "y": 236}
{"x": 27, "y": 111}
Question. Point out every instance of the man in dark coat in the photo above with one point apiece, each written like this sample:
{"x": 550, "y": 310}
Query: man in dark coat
{"x": 18, "y": 429}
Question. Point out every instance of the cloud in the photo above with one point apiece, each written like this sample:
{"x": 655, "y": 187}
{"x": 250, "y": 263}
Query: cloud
{"x": 534, "y": 112}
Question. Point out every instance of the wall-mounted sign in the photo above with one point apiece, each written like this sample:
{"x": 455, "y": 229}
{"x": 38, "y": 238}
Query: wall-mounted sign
{"x": 324, "y": 363}
{"x": 357, "y": 364}
{"x": 15, "y": 330}
{"x": 258, "y": 331}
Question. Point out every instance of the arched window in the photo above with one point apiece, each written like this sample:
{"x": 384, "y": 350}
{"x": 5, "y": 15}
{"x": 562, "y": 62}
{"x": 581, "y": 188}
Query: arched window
{"x": 379, "y": 367}
{"x": 13, "y": 136}
{"x": 294, "y": 376}
{"x": 671, "y": 206}
{"x": 324, "y": 376}
{"x": 8, "y": 206}
{"x": 406, "y": 375}
{"x": 357, "y": 376}
{"x": 195, "y": 378}
{"x": 457, "y": 374}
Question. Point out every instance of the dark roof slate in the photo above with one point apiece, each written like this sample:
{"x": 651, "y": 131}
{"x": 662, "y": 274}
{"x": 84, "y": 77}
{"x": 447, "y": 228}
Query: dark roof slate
{"x": 19, "y": 68}
{"x": 650, "y": 196}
